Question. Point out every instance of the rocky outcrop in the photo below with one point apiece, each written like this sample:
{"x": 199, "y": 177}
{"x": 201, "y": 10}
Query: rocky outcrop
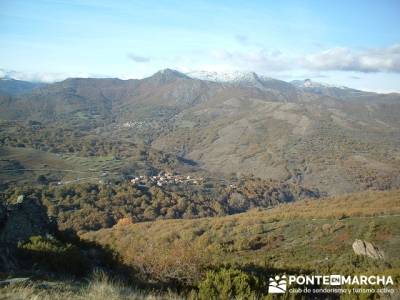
{"x": 18, "y": 222}
{"x": 25, "y": 219}
{"x": 361, "y": 247}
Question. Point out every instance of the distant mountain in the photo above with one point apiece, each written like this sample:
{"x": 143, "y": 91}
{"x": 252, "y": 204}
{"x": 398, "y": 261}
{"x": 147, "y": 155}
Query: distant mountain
{"x": 331, "y": 138}
{"x": 289, "y": 89}
{"x": 341, "y": 92}
{"x": 308, "y": 83}
{"x": 277, "y": 88}
{"x": 168, "y": 75}
{"x": 235, "y": 76}
{"x": 15, "y": 87}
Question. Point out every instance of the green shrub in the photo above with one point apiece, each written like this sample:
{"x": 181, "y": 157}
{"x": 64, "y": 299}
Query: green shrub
{"x": 229, "y": 284}
{"x": 51, "y": 254}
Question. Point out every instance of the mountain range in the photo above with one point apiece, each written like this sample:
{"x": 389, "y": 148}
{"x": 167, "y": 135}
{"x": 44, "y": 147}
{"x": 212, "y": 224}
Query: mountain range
{"x": 334, "y": 139}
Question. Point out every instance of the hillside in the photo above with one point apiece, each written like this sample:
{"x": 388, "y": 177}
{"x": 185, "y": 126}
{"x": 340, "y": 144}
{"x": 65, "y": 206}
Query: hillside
{"x": 14, "y": 87}
{"x": 305, "y": 236}
{"x": 179, "y": 175}
{"x": 336, "y": 140}
{"x": 89, "y": 204}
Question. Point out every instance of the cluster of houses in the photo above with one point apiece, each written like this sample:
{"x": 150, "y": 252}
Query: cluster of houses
{"x": 165, "y": 179}
{"x": 134, "y": 124}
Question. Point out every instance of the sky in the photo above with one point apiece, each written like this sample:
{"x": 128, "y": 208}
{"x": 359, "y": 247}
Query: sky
{"x": 349, "y": 43}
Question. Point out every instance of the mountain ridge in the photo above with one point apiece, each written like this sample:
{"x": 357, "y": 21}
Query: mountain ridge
{"x": 213, "y": 76}
{"x": 331, "y": 141}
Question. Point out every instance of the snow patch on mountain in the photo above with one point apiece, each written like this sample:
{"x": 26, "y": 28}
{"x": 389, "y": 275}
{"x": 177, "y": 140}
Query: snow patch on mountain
{"x": 308, "y": 83}
{"x": 234, "y": 76}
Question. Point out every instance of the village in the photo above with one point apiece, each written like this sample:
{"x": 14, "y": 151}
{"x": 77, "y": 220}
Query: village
{"x": 166, "y": 178}
{"x": 134, "y": 124}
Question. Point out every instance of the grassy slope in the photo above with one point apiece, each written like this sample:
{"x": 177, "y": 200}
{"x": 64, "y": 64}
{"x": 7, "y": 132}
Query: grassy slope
{"x": 98, "y": 288}
{"x": 310, "y": 235}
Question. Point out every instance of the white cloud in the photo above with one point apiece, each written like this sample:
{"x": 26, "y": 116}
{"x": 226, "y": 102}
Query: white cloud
{"x": 347, "y": 64}
{"x": 333, "y": 59}
{"x": 47, "y": 77}
{"x": 255, "y": 60}
{"x": 138, "y": 58}
{"x": 345, "y": 59}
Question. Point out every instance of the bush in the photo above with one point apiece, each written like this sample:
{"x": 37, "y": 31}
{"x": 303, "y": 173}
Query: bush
{"x": 51, "y": 254}
{"x": 229, "y": 284}
{"x": 178, "y": 263}
{"x": 41, "y": 179}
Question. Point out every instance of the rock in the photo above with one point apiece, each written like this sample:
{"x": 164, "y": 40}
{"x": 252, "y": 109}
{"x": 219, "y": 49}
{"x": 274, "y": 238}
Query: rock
{"x": 18, "y": 222}
{"x": 23, "y": 220}
{"x": 361, "y": 247}
{"x": 20, "y": 199}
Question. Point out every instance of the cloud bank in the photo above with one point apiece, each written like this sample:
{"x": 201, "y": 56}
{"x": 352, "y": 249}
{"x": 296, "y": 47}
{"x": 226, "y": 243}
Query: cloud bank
{"x": 47, "y": 77}
{"x": 272, "y": 62}
{"x": 334, "y": 59}
{"x": 344, "y": 59}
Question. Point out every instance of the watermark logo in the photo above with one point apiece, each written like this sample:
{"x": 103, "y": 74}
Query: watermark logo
{"x": 277, "y": 285}
{"x": 338, "y": 284}
{"x": 335, "y": 279}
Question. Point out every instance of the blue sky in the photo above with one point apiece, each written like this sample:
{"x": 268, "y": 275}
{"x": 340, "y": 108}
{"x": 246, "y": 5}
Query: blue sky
{"x": 352, "y": 43}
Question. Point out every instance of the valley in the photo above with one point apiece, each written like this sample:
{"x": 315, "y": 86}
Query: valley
{"x": 199, "y": 150}
{"x": 172, "y": 179}
{"x": 263, "y": 127}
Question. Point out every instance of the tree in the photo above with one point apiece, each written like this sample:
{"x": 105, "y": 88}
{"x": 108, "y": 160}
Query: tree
{"x": 41, "y": 179}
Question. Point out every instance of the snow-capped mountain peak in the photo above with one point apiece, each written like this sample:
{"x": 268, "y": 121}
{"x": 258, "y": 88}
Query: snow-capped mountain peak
{"x": 308, "y": 83}
{"x": 234, "y": 76}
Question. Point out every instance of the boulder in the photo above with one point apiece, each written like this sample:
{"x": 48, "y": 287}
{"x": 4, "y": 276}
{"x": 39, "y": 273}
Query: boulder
{"x": 18, "y": 222}
{"x": 361, "y": 247}
{"x": 23, "y": 220}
